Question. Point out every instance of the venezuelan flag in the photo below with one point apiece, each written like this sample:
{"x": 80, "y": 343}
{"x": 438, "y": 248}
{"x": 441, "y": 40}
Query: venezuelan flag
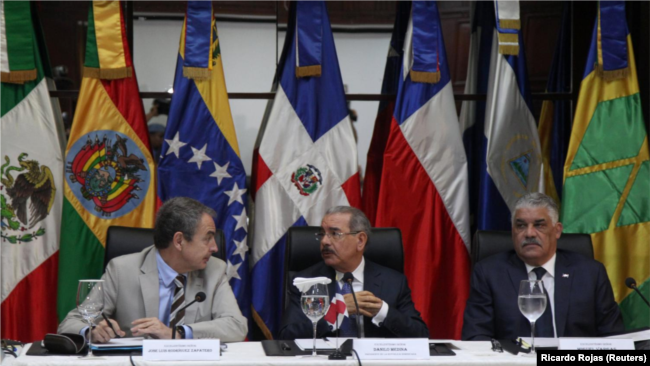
{"x": 200, "y": 156}
{"x": 607, "y": 171}
{"x": 109, "y": 170}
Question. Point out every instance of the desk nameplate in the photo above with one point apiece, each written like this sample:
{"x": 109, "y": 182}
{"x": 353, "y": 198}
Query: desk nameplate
{"x": 180, "y": 350}
{"x": 594, "y": 344}
{"x": 392, "y": 349}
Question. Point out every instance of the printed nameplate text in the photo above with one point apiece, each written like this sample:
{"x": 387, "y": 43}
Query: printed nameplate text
{"x": 392, "y": 349}
{"x": 180, "y": 349}
{"x": 594, "y": 344}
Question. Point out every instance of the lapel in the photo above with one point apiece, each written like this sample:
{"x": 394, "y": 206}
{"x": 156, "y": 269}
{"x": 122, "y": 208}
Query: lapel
{"x": 195, "y": 284}
{"x": 149, "y": 284}
{"x": 562, "y": 291}
{"x": 372, "y": 283}
{"x": 517, "y": 273}
{"x": 372, "y": 279}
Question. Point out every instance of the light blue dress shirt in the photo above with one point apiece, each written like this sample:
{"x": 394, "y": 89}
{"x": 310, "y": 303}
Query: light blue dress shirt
{"x": 166, "y": 276}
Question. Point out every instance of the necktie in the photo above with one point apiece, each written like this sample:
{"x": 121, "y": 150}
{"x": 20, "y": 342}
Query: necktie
{"x": 178, "y": 317}
{"x": 348, "y": 327}
{"x": 544, "y": 325}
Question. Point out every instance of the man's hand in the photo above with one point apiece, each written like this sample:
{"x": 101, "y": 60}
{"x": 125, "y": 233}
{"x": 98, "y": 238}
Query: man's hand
{"x": 152, "y": 327}
{"x": 369, "y": 304}
{"x": 103, "y": 332}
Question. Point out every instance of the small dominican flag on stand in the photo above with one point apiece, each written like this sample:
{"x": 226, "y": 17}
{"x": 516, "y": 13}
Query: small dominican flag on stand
{"x": 337, "y": 312}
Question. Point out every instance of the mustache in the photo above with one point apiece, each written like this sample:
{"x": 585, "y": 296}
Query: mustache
{"x": 327, "y": 250}
{"x": 531, "y": 241}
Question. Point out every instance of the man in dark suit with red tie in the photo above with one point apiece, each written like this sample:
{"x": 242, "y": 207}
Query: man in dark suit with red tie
{"x": 580, "y": 297}
{"x": 383, "y": 294}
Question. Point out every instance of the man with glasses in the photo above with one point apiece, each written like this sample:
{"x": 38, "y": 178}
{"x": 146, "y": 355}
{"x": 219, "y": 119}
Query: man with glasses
{"x": 383, "y": 295}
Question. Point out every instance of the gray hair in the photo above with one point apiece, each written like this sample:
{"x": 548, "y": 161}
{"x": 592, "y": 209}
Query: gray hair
{"x": 535, "y": 200}
{"x": 178, "y": 214}
{"x": 358, "y": 220}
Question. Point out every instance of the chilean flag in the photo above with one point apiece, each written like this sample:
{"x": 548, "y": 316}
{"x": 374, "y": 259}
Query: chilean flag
{"x": 306, "y": 157}
{"x": 424, "y": 181}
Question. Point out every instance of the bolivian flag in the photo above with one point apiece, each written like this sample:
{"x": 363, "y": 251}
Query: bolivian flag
{"x": 109, "y": 170}
{"x": 607, "y": 171}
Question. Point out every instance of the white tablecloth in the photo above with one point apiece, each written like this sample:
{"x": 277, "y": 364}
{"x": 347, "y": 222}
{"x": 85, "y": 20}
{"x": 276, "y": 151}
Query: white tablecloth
{"x": 252, "y": 353}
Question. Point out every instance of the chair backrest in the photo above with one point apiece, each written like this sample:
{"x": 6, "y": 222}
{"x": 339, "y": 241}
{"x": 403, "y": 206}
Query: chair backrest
{"x": 302, "y": 251}
{"x": 121, "y": 240}
{"x": 487, "y": 243}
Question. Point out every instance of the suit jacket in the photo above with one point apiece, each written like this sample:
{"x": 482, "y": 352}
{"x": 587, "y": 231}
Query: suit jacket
{"x": 131, "y": 291}
{"x": 402, "y": 320}
{"x": 584, "y": 300}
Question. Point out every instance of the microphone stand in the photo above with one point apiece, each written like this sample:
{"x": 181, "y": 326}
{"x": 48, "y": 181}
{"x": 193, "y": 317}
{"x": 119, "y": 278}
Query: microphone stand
{"x": 356, "y": 304}
{"x": 200, "y": 297}
{"x": 631, "y": 283}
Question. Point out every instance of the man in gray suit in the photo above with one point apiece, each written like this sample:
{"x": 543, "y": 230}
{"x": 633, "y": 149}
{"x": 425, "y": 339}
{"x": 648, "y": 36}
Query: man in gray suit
{"x": 145, "y": 292}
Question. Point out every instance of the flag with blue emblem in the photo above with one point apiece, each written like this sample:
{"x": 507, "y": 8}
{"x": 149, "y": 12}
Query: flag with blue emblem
{"x": 504, "y": 151}
{"x": 305, "y": 160}
{"x": 200, "y": 157}
{"x": 487, "y": 207}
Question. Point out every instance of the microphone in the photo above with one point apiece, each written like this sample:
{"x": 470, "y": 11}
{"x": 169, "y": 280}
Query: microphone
{"x": 347, "y": 277}
{"x": 199, "y": 297}
{"x": 631, "y": 283}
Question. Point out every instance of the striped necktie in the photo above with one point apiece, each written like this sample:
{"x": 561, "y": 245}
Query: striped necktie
{"x": 178, "y": 317}
{"x": 348, "y": 327}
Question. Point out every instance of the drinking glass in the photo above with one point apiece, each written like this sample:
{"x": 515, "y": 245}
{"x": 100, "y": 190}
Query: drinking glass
{"x": 315, "y": 302}
{"x": 532, "y": 303}
{"x": 90, "y": 303}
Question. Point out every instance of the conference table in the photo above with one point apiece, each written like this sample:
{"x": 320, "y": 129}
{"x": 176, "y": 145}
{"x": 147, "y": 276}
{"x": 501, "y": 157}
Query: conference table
{"x": 252, "y": 353}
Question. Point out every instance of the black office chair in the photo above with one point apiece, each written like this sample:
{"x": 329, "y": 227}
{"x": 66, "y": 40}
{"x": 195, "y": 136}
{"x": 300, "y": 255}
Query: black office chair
{"x": 121, "y": 240}
{"x": 302, "y": 251}
{"x": 487, "y": 243}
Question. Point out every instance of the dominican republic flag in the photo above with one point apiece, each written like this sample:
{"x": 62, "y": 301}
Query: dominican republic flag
{"x": 514, "y": 160}
{"x": 487, "y": 207}
{"x": 306, "y": 158}
{"x": 375, "y": 161}
{"x": 32, "y": 179}
{"x": 424, "y": 181}
{"x": 200, "y": 156}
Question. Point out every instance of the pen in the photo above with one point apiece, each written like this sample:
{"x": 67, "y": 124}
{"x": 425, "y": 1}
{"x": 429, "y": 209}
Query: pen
{"x": 111, "y": 325}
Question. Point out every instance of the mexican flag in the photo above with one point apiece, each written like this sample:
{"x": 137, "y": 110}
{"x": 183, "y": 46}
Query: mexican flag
{"x": 607, "y": 170}
{"x": 109, "y": 170}
{"x": 31, "y": 191}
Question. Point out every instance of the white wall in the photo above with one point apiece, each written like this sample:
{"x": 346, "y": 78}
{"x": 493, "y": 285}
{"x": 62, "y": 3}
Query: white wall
{"x": 249, "y": 61}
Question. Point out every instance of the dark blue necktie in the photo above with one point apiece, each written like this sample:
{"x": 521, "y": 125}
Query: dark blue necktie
{"x": 348, "y": 326}
{"x": 544, "y": 325}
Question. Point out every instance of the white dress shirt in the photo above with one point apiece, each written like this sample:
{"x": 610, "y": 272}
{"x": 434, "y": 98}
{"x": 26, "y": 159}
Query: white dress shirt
{"x": 357, "y": 286}
{"x": 549, "y": 284}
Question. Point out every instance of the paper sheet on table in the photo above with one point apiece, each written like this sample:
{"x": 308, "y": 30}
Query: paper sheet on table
{"x": 121, "y": 342}
{"x": 642, "y": 335}
{"x": 308, "y": 343}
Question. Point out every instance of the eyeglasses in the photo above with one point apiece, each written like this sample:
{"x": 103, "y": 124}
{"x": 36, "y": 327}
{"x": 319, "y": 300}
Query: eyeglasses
{"x": 336, "y": 236}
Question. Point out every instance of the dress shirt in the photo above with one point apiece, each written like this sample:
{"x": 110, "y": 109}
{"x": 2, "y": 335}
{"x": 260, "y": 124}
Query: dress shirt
{"x": 357, "y": 286}
{"x": 167, "y": 286}
{"x": 549, "y": 284}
